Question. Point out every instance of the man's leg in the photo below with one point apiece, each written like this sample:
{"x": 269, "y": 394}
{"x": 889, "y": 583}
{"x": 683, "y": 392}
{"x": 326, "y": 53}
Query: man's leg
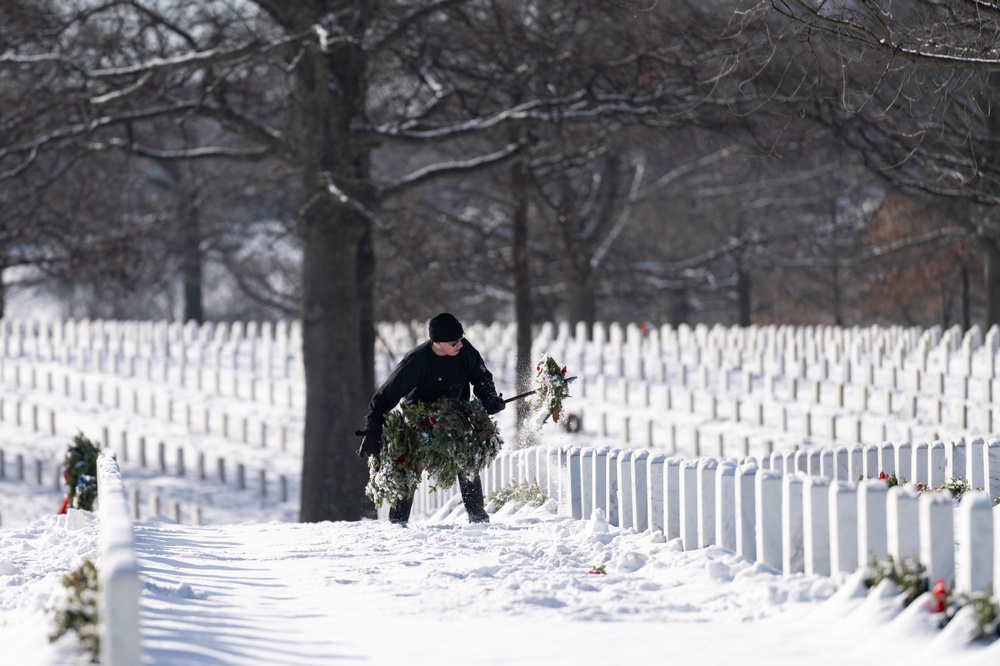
{"x": 399, "y": 512}
{"x": 472, "y": 497}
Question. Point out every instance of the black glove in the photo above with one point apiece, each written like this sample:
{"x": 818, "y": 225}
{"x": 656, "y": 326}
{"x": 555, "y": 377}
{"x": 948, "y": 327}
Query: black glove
{"x": 371, "y": 445}
{"x": 494, "y": 404}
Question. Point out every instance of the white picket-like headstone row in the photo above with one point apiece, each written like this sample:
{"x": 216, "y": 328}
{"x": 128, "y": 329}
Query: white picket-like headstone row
{"x": 781, "y": 516}
{"x": 822, "y": 401}
{"x": 839, "y": 394}
{"x": 93, "y": 363}
{"x": 120, "y": 587}
{"x": 774, "y": 387}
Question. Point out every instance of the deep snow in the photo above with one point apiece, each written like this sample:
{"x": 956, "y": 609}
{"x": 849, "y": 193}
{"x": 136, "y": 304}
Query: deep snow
{"x": 252, "y": 587}
{"x": 445, "y": 592}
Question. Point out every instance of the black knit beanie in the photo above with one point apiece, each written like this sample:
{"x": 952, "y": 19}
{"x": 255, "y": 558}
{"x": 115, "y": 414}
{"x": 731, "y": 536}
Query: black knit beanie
{"x": 445, "y": 328}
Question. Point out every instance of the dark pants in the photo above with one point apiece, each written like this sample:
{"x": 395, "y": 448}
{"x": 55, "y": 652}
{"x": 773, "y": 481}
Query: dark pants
{"x": 472, "y": 497}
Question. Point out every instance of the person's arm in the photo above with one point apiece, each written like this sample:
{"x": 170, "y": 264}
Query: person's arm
{"x": 482, "y": 382}
{"x": 401, "y": 381}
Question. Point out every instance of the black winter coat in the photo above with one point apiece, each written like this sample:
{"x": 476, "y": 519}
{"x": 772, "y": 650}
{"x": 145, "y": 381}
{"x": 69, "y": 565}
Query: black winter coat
{"x": 423, "y": 376}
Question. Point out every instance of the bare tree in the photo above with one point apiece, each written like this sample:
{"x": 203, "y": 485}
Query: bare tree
{"x": 319, "y": 85}
{"x": 910, "y": 86}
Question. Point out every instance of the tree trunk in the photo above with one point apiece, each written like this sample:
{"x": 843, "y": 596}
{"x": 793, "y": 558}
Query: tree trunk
{"x": 680, "y": 307}
{"x": 191, "y": 267}
{"x": 581, "y": 302}
{"x": 522, "y": 298}
{"x": 838, "y": 317}
{"x": 333, "y": 478}
{"x": 966, "y": 297}
{"x": 330, "y": 92}
{"x": 743, "y": 296}
{"x": 991, "y": 268}
{"x": 366, "y": 302}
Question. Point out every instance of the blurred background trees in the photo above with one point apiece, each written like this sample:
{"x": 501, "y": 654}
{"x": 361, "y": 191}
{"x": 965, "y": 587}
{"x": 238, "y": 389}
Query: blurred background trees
{"x": 344, "y": 162}
{"x": 750, "y": 190}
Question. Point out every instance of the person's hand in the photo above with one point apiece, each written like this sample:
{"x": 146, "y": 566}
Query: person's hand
{"x": 371, "y": 445}
{"x": 494, "y": 404}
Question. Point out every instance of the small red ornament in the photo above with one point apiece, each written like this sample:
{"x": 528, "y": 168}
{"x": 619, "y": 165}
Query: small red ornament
{"x": 400, "y": 460}
{"x": 882, "y": 476}
{"x": 940, "y": 602}
{"x": 564, "y": 370}
{"x": 65, "y": 505}
{"x": 920, "y": 486}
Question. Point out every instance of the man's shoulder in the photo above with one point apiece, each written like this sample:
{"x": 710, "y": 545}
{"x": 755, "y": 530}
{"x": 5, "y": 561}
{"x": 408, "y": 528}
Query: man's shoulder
{"x": 470, "y": 354}
{"x": 418, "y": 353}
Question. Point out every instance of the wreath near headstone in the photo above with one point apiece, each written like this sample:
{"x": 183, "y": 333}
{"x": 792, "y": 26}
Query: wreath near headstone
{"x": 553, "y": 388}
{"x": 442, "y": 438}
{"x": 80, "y": 474}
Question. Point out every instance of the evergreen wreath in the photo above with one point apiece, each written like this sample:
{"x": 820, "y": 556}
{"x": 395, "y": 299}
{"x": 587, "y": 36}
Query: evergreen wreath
{"x": 79, "y": 611}
{"x": 80, "y": 474}
{"x": 553, "y": 388}
{"x": 444, "y": 438}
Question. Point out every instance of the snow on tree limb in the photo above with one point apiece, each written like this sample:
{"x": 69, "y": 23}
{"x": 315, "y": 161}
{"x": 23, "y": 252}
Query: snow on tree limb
{"x": 185, "y": 60}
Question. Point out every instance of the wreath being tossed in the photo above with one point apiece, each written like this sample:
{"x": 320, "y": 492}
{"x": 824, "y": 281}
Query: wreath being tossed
{"x": 442, "y": 438}
{"x": 553, "y": 388}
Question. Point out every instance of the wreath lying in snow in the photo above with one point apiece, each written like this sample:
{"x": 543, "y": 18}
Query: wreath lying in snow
{"x": 553, "y": 388}
{"x": 442, "y": 438}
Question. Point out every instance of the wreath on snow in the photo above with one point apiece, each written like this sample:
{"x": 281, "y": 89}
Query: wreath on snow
{"x": 442, "y": 438}
{"x": 553, "y": 388}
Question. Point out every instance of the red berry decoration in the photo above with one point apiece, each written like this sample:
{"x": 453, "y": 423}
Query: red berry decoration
{"x": 940, "y": 592}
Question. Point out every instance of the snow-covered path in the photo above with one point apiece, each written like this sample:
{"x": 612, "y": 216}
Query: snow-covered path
{"x": 515, "y": 591}
{"x": 443, "y": 592}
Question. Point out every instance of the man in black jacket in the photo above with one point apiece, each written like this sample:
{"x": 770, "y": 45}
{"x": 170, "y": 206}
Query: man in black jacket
{"x": 442, "y": 367}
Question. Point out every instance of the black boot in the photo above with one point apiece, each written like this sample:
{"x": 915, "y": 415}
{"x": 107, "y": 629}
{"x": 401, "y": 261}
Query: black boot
{"x": 399, "y": 513}
{"x": 472, "y": 497}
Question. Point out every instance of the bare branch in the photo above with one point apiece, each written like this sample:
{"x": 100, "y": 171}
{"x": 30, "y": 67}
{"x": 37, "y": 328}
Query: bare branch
{"x": 413, "y": 17}
{"x": 186, "y": 60}
{"x": 624, "y": 216}
{"x": 579, "y": 106}
{"x": 884, "y": 38}
{"x": 879, "y": 251}
{"x": 116, "y": 95}
{"x": 197, "y": 153}
{"x": 346, "y": 199}
{"x": 459, "y": 166}
{"x": 80, "y": 129}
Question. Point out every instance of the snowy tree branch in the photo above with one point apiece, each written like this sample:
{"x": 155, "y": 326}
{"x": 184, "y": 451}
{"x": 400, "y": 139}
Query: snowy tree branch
{"x": 925, "y": 47}
{"x": 81, "y": 129}
{"x": 413, "y": 17}
{"x": 433, "y": 171}
{"x": 186, "y": 60}
{"x": 581, "y": 106}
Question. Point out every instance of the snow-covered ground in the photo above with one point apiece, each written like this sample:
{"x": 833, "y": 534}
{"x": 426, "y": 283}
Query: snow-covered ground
{"x": 516, "y": 591}
{"x": 251, "y": 586}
